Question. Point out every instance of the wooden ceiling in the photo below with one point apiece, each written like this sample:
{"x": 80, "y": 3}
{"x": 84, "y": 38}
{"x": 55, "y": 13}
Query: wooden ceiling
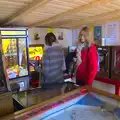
{"x": 58, "y": 13}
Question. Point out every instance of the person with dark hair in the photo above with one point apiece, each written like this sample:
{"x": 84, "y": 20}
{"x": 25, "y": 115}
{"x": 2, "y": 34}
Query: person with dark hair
{"x": 53, "y": 61}
{"x": 50, "y": 38}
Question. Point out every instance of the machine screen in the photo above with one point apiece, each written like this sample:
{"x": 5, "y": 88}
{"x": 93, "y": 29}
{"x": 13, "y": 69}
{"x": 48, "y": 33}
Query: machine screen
{"x": 35, "y": 53}
{"x": 72, "y": 48}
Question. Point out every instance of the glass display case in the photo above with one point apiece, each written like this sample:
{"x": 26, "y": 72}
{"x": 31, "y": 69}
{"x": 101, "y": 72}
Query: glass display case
{"x": 14, "y": 46}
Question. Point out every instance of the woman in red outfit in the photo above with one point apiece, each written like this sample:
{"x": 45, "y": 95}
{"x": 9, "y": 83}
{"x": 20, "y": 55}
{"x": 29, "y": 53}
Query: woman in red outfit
{"x": 86, "y": 59}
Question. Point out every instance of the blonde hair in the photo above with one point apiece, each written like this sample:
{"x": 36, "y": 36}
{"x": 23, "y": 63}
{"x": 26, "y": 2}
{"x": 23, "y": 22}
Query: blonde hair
{"x": 86, "y": 33}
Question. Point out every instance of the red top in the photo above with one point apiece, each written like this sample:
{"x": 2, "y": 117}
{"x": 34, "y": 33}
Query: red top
{"x": 88, "y": 68}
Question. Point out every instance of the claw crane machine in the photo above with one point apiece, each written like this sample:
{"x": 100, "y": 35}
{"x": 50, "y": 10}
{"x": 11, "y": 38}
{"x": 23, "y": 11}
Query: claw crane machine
{"x": 15, "y": 49}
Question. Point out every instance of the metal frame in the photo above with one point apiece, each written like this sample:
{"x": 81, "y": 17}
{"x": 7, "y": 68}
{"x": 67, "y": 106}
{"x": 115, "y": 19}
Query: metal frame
{"x": 36, "y": 45}
{"x": 14, "y": 35}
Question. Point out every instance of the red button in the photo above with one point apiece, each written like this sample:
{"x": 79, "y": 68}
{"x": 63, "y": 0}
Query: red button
{"x": 37, "y": 58}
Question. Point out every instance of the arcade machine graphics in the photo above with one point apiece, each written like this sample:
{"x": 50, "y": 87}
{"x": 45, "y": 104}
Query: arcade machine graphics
{"x": 35, "y": 55}
{"x": 104, "y": 54}
{"x": 115, "y": 70}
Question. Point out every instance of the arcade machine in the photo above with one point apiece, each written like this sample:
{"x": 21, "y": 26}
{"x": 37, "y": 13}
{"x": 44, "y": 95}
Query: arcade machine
{"x": 71, "y": 48}
{"x": 35, "y": 55}
{"x": 3, "y": 80}
{"x": 69, "y": 73}
{"x": 115, "y": 70}
{"x": 14, "y": 46}
{"x": 69, "y": 59}
{"x": 109, "y": 62}
{"x": 105, "y": 55}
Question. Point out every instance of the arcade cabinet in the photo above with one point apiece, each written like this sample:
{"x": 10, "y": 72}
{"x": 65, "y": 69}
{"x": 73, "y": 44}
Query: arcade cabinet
{"x": 71, "y": 48}
{"x": 6, "y": 101}
{"x": 104, "y": 54}
{"x": 15, "y": 49}
{"x": 115, "y": 70}
{"x": 109, "y": 62}
{"x": 69, "y": 59}
{"x": 35, "y": 55}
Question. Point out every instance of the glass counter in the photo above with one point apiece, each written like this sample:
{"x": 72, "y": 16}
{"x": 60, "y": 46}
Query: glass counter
{"x": 32, "y": 97}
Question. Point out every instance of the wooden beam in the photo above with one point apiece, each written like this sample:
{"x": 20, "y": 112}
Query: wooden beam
{"x": 93, "y": 23}
{"x": 70, "y": 22}
{"x": 100, "y": 17}
{"x": 83, "y": 8}
{"x": 94, "y": 18}
{"x": 58, "y": 23}
{"x": 24, "y": 11}
{"x": 103, "y": 93}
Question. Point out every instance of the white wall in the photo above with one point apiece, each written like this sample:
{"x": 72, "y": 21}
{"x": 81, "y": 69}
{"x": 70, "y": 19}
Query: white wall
{"x": 75, "y": 34}
{"x": 43, "y": 31}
